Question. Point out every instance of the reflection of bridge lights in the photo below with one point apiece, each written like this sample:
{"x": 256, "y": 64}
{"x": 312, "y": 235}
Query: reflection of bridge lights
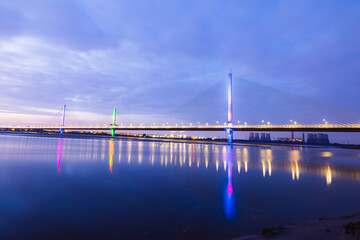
{"x": 230, "y": 189}
{"x": 294, "y": 156}
{"x": 120, "y": 143}
{"x": 111, "y": 154}
{"x": 297, "y": 171}
{"x": 239, "y": 166}
{"x": 263, "y": 168}
{"x": 269, "y": 166}
{"x": 328, "y": 176}
{"x": 59, "y": 153}
{"x": 140, "y": 152}
{"x": 326, "y": 154}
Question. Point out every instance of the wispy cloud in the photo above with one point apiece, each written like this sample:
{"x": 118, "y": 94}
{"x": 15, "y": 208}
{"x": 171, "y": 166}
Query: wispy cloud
{"x": 148, "y": 57}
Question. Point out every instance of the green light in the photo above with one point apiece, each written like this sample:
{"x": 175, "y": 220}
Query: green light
{"x": 114, "y": 117}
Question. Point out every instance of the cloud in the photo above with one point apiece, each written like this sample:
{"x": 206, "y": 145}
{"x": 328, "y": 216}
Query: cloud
{"x": 148, "y": 57}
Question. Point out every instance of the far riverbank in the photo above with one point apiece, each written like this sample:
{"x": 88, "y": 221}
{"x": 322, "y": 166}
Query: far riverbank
{"x": 143, "y": 137}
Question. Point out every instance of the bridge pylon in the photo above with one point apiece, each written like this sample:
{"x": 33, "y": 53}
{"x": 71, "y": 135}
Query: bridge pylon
{"x": 230, "y": 132}
{"x": 63, "y": 119}
{"x": 113, "y": 123}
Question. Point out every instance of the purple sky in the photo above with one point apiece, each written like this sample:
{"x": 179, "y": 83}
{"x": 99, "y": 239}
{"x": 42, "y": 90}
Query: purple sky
{"x": 148, "y": 58}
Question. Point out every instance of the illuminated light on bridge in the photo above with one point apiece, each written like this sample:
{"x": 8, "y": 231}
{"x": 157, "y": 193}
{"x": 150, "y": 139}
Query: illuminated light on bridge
{"x": 230, "y": 110}
{"x": 113, "y": 123}
{"x": 63, "y": 120}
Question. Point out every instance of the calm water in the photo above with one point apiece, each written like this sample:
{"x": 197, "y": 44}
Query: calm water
{"x": 61, "y": 188}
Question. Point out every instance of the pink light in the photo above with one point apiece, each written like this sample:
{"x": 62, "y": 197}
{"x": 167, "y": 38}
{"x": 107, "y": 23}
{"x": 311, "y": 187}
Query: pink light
{"x": 59, "y": 153}
{"x": 230, "y": 189}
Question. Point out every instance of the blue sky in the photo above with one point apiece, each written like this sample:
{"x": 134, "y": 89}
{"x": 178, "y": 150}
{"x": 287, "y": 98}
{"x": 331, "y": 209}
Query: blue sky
{"x": 147, "y": 58}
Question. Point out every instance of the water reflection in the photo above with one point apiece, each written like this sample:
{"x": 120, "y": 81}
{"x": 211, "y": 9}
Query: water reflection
{"x": 203, "y": 155}
{"x": 266, "y": 158}
{"x": 294, "y": 156}
{"x": 328, "y": 176}
{"x": 129, "y": 151}
{"x": 229, "y": 198}
{"x": 111, "y": 154}
{"x": 59, "y": 153}
{"x": 200, "y": 191}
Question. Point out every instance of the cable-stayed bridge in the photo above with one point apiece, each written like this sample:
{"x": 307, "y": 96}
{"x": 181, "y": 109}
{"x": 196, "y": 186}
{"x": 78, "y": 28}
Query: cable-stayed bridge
{"x": 228, "y": 126}
{"x": 244, "y": 128}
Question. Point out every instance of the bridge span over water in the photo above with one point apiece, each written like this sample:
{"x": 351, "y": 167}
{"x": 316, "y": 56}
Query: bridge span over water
{"x": 228, "y": 126}
{"x": 240, "y": 128}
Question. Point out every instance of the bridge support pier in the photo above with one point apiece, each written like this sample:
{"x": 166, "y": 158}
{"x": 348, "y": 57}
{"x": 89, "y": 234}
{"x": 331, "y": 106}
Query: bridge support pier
{"x": 230, "y": 135}
{"x": 112, "y": 132}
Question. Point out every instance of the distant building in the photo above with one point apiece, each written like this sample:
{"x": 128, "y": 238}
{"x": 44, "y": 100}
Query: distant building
{"x": 263, "y": 137}
{"x": 320, "y": 138}
{"x": 311, "y": 138}
{"x": 267, "y": 137}
{"x": 251, "y": 136}
{"x": 323, "y": 138}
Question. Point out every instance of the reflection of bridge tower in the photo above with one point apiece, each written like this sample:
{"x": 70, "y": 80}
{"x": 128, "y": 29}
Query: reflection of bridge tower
{"x": 230, "y": 112}
{"x": 229, "y": 197}
{"x": 63, "y": 120}
{"x": 59, "y": 153}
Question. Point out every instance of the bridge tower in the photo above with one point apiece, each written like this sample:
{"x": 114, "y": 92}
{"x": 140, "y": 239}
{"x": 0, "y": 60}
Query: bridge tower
{"x": 229, "y": 130}
{"x": 63, "y": 120}
{"x": 113, "y": 123}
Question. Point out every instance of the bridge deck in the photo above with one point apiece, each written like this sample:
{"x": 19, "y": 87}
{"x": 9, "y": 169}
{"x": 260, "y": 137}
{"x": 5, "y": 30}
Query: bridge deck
{"x": 244, "y": 128}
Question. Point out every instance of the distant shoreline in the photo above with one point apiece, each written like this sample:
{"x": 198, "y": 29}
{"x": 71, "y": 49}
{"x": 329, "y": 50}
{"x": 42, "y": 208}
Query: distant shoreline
{"x": 237, "y": 142}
